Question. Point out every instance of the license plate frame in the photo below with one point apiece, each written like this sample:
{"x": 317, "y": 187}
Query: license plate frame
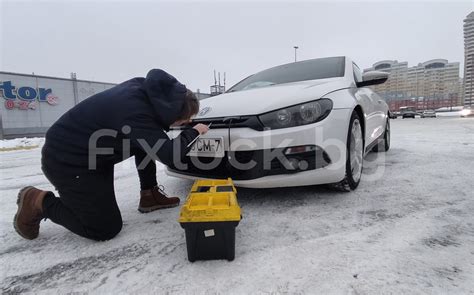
{"x": 212, "y": 147}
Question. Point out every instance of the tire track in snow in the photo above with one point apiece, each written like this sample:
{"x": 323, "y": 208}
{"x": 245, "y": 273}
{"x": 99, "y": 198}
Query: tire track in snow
{"x": 86, "y": 269}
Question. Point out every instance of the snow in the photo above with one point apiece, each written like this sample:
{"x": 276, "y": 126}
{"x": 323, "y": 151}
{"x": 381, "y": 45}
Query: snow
{"x": 20, "y": 143}
{"x": 449, "y": 114}
{"x": 408, "y": 228}
{"x": 449, "y": 109}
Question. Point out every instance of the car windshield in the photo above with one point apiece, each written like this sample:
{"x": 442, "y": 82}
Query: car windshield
{"x": 312, "y": 69}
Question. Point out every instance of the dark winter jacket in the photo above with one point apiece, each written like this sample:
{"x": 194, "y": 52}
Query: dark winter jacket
{"x": 135, "y": 113}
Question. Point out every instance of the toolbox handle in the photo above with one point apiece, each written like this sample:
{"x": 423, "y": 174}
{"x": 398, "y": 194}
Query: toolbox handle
{"x": 209, "y": 210}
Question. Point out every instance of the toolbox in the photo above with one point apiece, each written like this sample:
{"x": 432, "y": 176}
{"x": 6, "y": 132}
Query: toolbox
{"x": 209, "y": 218}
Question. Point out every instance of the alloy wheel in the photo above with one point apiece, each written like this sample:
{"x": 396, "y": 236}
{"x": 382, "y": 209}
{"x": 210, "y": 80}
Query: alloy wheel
{"x": 356, "y": 150}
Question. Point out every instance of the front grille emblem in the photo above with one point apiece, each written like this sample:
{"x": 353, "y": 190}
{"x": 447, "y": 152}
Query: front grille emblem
{"x": 204, "y": 111}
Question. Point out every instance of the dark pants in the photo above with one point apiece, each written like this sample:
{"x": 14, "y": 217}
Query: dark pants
{"x": 86, "y": 204}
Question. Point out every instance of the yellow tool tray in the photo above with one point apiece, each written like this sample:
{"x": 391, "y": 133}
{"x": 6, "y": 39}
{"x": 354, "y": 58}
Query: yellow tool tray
{"x": 211, "y": 200}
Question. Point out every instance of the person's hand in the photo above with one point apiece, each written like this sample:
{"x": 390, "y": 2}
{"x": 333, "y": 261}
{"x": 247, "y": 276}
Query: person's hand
{"x": 201, "y": 128}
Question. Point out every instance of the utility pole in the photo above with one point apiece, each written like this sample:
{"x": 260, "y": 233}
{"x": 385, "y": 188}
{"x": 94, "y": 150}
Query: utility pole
{"x": 74, "y": 88}
{"x": 295, "y": 47}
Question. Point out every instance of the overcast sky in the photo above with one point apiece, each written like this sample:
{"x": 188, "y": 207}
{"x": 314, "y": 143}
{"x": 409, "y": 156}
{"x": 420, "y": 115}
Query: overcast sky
{"x": 114, "y": 41}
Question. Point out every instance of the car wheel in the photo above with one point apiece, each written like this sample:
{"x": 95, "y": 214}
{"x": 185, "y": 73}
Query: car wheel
{"x": 355, "y": 154}
{"x": 384, "y": 144}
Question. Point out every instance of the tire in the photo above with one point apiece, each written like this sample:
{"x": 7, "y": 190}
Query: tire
{"x": 355, "y": 156}
{"x": 384, "y": 144}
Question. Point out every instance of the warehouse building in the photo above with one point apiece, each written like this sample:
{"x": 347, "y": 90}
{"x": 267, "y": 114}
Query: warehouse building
{"x": 32, "y": 103}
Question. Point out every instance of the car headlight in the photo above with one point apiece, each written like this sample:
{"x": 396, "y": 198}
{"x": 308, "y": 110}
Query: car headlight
{"x": 301, "y": 114}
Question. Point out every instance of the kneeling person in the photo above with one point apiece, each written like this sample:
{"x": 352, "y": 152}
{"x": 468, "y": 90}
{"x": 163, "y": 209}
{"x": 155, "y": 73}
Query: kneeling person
{"x": 82, "y": 147}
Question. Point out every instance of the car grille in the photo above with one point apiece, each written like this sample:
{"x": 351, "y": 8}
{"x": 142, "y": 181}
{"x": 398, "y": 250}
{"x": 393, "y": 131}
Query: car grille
{"x": 233, "y": 122}
{"x": 225, "y": 167}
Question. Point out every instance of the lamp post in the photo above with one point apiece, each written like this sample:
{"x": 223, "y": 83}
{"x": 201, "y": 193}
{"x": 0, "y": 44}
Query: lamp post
{"x": 295, "y": 47}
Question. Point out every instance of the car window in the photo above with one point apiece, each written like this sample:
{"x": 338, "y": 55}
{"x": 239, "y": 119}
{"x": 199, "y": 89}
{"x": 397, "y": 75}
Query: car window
{"x": 313, "y": 69}
{"x": 357, "y": 73}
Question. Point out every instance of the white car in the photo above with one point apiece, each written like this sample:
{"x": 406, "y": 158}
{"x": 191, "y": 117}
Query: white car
{"x": 303, "y": 123}
{"x": 428, "y": 114}
{"x": 467, "y": 111}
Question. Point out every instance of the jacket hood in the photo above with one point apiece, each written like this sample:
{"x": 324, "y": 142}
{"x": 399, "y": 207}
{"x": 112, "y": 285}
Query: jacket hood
{"x": 166, "y": 95}
{"x": 265, "y": 99}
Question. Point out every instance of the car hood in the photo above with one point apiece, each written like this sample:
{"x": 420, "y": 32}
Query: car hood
{"x": 265, "y": 99}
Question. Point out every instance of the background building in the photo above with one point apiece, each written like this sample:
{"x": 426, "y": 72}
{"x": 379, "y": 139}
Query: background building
{"x": 429, "y": 85}
{"x": 396, "y": 86}
{"x": 469, "y": 59}
{"x": 201, "y": 95}
{"x": 30, "y": 104}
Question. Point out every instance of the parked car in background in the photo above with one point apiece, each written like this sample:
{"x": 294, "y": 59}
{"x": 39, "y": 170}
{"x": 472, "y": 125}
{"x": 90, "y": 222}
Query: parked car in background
{"x": 467, "y": 111}
{"x": 428, "y": 114}
{"x": 303, "y": 123}
{"x": 408, "y": 112}
{"x": 392, "y": 115}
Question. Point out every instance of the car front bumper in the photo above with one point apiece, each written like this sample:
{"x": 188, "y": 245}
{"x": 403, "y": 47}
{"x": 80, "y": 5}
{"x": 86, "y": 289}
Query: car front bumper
{"x": 264, "y": 149}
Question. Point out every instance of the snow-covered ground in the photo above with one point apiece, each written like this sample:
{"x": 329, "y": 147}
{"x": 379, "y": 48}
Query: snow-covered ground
{"x": 449, "y": 114}
{"x": 409, "y": 231}
{"x": 20, "y": 143}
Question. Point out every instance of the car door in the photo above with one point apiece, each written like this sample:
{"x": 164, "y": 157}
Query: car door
{"x": 379, "y": 116}
{"x": 365, "y": 99}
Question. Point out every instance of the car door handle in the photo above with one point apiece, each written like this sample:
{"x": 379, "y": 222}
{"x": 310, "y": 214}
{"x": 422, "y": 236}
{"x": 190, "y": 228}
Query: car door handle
{"x": 379, "y": 101}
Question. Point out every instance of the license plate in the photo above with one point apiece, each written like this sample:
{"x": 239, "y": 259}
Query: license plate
{"x": 208, "y": 147}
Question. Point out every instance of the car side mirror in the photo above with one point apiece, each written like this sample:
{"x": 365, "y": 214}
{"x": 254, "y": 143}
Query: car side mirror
{"x": 373, "y": 78}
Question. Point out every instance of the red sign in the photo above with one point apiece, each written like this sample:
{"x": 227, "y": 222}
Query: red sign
{"x": 21, "y": 105}
{"x": 52, "y": 99}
